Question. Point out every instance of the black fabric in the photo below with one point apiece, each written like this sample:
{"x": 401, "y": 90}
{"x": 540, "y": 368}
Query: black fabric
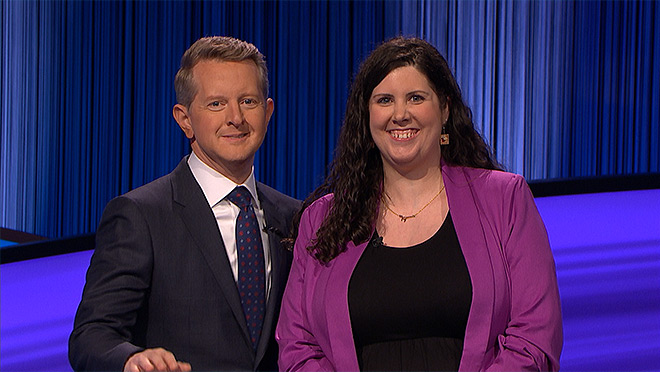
{"x": 409, "y": 306}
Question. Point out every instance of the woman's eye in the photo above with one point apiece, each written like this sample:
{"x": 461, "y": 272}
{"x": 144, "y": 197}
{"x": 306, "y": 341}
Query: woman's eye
{"x": 384, "y": 100}
{"x": 416, "y": 98}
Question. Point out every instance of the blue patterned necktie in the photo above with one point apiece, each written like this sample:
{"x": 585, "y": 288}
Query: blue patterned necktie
{"x": 251, "y": 267}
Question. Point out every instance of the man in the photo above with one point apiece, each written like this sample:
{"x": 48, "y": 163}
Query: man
{"x": 188, "y": 270}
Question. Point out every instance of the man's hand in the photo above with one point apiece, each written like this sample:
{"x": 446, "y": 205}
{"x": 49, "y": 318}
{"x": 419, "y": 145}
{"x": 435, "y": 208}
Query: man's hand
{"x": 155, "y": 360}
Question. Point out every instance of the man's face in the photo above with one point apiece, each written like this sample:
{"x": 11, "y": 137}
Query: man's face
{"x": 227, "y": 120}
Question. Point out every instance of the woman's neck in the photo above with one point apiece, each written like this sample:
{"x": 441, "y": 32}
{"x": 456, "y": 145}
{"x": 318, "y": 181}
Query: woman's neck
{"x": 411, "y": 189}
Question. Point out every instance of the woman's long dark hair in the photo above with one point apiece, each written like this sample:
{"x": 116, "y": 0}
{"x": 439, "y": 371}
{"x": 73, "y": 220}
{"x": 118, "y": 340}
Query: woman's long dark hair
{"x": 356, "y": 173}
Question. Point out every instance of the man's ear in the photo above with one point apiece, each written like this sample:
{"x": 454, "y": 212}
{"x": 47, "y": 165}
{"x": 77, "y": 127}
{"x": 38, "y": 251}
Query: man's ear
{"x": 270, "y": 107}
{"x": 180, "y": 113}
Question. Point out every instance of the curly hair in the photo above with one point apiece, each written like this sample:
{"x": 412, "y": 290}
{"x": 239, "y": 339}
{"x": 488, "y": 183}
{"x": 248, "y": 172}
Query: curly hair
{"x": 356, "y": 172}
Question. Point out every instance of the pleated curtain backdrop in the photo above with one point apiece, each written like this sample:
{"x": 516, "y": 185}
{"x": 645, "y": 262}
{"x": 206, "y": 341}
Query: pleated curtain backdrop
{"x": 558, "y": 88}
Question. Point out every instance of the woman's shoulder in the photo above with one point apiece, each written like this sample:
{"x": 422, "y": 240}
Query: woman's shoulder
{"x": 489, "y": 179}
{"x": 321, "y": 204}
{"x": 496, "y": 192}
{"x": 318, "y": 209}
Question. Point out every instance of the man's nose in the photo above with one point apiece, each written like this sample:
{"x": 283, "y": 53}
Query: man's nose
{"x": 234, "y": 114}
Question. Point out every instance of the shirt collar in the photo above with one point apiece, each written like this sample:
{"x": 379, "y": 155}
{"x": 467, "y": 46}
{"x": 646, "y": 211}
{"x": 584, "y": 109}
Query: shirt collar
{"x": 215, "y": 185}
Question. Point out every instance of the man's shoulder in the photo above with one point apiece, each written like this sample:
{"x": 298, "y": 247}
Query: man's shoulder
{"x": 154, "y": 191}
{"x": 157, "y": 194}
{"x": 160, "y": 189}
{"x": 278, "y": 198}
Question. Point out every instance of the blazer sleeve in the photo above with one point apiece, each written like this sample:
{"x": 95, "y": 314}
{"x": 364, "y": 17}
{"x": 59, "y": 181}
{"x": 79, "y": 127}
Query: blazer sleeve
{"x": 533, "y": 336}
{"x": 299, "y": 348}
{"x": 116, "y": 287}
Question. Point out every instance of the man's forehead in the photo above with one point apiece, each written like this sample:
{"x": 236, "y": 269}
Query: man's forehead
{"x": 226, "y": 79}
{"x": 210, "y": 69}
{"x": 223, "y": 63}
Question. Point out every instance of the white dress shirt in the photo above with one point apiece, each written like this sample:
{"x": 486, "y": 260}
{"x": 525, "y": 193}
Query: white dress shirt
{"x": 216, "y": 187}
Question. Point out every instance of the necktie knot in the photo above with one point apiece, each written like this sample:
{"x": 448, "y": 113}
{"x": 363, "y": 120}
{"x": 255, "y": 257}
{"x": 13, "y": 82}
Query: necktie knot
{"x": 240, "y": 196}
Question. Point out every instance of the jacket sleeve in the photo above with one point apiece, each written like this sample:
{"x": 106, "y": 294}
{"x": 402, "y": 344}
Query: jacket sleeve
{"x": 116, "y": 286}
{"x": 533, "y": 337}
{"x": 299, "y": 348}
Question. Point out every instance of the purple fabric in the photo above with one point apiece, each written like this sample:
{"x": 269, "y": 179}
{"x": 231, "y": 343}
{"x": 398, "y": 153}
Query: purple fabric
{"x": 515, "y": 317}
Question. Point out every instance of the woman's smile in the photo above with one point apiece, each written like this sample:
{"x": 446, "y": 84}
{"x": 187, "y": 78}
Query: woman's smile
{"x": 405, "y": 120}
{"x": 403, "y": 134}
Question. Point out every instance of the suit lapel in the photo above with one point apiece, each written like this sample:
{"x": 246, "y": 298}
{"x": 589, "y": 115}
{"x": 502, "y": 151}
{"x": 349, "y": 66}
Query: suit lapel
{"x": 276, "y": 229}
{"x": 337, "y": 311}
{"x": 467, "y": 222}
{"x": 200, "y": 222}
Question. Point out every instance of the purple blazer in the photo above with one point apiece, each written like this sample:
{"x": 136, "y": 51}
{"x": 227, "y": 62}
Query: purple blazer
{"x": 515, "y": 317}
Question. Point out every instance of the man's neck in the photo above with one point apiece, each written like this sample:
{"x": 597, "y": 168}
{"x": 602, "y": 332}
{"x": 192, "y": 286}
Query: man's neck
{"x": 238, "y": 172}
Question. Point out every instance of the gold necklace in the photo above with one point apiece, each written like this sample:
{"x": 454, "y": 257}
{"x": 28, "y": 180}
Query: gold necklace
{"x": 405, "y": 218}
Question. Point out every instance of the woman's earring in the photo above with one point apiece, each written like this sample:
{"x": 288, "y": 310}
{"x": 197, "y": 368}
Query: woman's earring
{"x": 444, "y": 137}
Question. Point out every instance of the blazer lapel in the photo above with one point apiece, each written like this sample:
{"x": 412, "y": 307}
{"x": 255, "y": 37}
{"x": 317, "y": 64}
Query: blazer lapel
{"x": 200, "y": 222}
{"x": 465, "y": 214}
{"x": 276, "y": 227}
{"x": 337, "y": 312}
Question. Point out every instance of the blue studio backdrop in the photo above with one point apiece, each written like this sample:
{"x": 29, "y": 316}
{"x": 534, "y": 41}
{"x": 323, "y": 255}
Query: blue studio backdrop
{"x": 558, "y": 88}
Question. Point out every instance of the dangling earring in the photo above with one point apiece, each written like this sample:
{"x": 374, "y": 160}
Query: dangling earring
{"x": 444, "y": 136}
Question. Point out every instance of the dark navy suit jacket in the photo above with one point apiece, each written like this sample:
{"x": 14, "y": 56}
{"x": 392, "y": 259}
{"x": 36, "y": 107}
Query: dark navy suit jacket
{"x": 160, "y": 277}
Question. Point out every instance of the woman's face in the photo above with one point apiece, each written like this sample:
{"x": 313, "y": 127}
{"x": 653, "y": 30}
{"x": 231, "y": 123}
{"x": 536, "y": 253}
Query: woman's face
{"x": 405, "y": 120}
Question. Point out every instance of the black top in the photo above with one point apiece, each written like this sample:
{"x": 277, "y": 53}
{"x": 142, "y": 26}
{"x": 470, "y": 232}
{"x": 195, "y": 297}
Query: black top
{"x": 409, "y": 306}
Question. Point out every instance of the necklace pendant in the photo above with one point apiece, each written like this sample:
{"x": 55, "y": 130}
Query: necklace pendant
{"x": 405, "y": 218}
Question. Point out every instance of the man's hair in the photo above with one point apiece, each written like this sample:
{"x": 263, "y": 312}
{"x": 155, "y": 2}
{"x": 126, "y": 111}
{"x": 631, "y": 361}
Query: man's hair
{"x": 217, "y": 48}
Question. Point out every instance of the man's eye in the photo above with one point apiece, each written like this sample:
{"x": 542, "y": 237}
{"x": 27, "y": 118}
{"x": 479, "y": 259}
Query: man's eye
{"x": 215, "y": 105}
{"x": 250, "y": 102}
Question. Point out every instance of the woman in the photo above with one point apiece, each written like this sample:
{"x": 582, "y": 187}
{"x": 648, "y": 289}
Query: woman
{"x": 417, "y": 252}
